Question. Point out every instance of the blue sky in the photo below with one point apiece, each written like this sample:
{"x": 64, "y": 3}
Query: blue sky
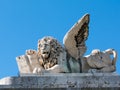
{"x": 23, "y": 22}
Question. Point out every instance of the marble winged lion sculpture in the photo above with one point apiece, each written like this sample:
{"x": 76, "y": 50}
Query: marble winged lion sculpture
{"x": 52, "y": 57}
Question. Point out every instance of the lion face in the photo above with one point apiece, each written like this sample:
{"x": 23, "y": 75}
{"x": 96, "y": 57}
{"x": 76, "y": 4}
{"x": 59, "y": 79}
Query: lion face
{"x": 45, "y": 49}
{"x": 49, "y": 49}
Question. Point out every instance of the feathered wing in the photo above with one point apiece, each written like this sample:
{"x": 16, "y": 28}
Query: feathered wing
{"x": 75, "y": 38}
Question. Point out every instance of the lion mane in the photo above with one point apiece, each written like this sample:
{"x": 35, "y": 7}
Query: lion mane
{"x": 55, "y": 50}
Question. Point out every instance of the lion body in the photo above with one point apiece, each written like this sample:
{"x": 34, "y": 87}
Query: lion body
{"x": 51, "y": 57}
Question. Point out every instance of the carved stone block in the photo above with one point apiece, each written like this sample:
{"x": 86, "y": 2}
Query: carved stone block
{"x": 71, "y": 81}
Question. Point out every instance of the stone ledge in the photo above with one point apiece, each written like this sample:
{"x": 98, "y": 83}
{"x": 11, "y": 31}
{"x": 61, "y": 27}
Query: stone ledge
{"x": 84, "y": 81}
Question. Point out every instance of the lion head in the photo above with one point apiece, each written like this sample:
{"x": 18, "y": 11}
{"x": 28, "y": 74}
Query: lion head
{"x": 49, "y": 49}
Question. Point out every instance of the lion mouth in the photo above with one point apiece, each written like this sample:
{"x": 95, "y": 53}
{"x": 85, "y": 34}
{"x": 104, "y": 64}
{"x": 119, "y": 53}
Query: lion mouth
{"x": 45, "y": 52}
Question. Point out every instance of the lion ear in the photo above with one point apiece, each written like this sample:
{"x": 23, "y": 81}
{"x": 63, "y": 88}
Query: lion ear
{"x": 75, "y": 38}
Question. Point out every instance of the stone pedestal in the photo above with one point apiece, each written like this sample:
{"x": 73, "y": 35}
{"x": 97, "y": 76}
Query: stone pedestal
{"x": 71, "y": 81}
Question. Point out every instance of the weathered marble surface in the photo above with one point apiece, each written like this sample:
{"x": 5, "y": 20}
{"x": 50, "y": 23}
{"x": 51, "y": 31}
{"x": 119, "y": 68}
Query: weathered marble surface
{"x": 51, "y": 56}
{"x": 61, "y": 81}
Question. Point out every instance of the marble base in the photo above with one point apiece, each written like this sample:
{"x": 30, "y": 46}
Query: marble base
{"x": 71, "y": 81}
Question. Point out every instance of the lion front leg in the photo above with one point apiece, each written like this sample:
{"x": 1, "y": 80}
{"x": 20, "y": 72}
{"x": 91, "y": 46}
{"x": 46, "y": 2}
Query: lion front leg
{"x": 55, "y": 69}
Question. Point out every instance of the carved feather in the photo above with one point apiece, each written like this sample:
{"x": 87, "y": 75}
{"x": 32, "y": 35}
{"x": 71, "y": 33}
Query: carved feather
{"x": 82, "y": 35}
{"x": 75, "y": 38}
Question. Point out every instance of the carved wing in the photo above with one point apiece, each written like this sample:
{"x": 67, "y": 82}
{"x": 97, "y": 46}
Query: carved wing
{"x": 75, "y": 38}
